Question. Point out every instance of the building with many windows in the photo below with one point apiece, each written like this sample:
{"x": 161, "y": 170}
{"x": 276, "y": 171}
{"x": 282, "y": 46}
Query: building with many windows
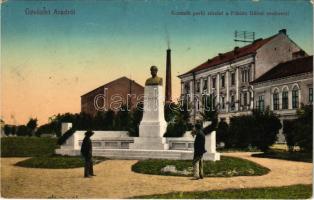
{"x": 227, "y": 77}
{"x": 285, "y": 87}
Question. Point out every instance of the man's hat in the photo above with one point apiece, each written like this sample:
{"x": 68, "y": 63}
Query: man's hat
{"x": 153, "y": 68}
{"x": 89, "y": 133}
{"x": 198, "y": 122}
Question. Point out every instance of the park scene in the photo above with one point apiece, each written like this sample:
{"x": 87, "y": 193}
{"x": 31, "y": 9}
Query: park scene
{"x": 157, "y": 100}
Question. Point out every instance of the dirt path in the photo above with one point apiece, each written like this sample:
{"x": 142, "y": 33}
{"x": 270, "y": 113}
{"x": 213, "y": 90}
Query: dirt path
{"x": 116, "y": 180}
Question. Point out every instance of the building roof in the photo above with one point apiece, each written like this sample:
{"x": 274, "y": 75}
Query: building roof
{"x": 237, "y": 52}
{"x": 111, "y": 82}
{"x": 289, "y": 68}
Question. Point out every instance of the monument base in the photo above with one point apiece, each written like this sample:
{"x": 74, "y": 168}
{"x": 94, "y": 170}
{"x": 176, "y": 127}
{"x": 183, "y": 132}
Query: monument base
{"x": 149, "y": 143}
{"x": 136, "y": 154}
{"x": 151, "y": 136}
{"x": 118, "y": 145}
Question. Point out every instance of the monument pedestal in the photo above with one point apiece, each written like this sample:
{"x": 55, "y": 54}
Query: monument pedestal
{"x": 153, "y": 125}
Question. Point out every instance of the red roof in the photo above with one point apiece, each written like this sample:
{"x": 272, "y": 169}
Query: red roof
{"x": 231, "y": 55}
{"x": 116, "y": 80}
{"x": 292, "y": 67}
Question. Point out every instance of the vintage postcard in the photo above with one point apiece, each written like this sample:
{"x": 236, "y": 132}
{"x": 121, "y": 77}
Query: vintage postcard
{"x": 156, "y": 99}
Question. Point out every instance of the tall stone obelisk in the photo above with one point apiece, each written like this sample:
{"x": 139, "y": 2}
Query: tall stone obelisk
{"x": 153, "y": 124}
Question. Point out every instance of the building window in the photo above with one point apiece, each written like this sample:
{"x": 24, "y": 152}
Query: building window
{"x": 240, "y": 99}
{"x": 198, "y": 86}
{"x": 232, "y": 105}
{"x": 246, "y": 77}
{"x": 261, "y": 104}
{"x": 245, "y": 98}
{"x": 223, "y": 81}
{"x": 214, "y": 102}
{"x": 223, "y": 103}
{"x": 311, "y": 95}
{"x": 233, "y": 78}
{"x": 285, "y": 100}
{"x": 186, "y": 88}
{"x": 205, "y": 85}
{"x": 295, "y": 98}
{"x": 276, "y": 101}
{"x": 214, "y": 82}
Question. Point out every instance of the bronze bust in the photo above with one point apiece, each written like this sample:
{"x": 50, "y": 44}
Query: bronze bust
{"x": 154, "y": 80}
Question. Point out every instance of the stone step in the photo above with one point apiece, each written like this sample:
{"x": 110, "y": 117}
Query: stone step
{"x": 138, "y": 153}
{"x": 141, "y": 154}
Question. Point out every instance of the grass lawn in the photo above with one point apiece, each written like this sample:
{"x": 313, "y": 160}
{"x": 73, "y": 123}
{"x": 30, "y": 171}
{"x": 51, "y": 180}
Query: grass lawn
{"x": 56, "y": 162}
{"x": 42, "y": 152}
{"x": 287, "y": 192}
{"x": 226, "y": 167}
{"x": 27, "y": 146}
{"x": 286, "y": 155}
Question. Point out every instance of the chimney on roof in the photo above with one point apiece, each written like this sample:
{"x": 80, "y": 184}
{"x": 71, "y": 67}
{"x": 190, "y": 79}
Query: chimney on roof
{"x": 235, "y": 50}
{"x": 220, "y": 55}
{"x": 284, "y": 31}
{"x": 168, "y": 96}
{"x": 257, "y": 40}
{"x": 299, "y": 54}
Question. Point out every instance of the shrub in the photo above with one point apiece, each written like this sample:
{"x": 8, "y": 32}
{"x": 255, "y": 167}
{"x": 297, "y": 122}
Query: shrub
{"x": 222, "y": 132}
{"x": 303, "y": 128}
{"x": 225, "y": 167}
{"x": 136, "y": 118}
{"x": 299, "y": 131}
{"x": 288, "y": 132}
{"x": 7, "y": 129}
{"x": 23, "y": 130}
{"x": 122, "y": 119}
{"x": 31, "y": 125}
{"x": 240, "y": 135}
{"x": 265, "y": 130}
{"x": 178, "y": 118}
{"x": 210, "y": 115}
{"x": 170, "y": 112}
{"x": 45, "y": 129}
{"x": 176, "y": 129}
{"x": 257, "y": 130}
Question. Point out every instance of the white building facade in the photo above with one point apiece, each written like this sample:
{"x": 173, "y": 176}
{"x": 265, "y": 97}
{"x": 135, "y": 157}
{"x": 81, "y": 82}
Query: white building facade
{"x": 285, "y": 88}
{"x": 227, "y": 77}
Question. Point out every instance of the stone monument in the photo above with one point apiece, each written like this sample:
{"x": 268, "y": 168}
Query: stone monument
{"x": 150, "y": 144}
{"x": 153, "y": 125}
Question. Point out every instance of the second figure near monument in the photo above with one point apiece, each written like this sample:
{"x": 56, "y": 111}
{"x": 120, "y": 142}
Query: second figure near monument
{"x": 154, "y": 80}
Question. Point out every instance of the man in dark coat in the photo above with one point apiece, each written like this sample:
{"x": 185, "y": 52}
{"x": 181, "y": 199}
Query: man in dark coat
{"x": 86, "y": 151}
{"x": 199, "y": 150}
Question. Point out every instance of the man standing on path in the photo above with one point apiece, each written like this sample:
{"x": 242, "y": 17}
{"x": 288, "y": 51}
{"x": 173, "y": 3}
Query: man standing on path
{"x": 199, "y": 150}
{"x": 86, "y": 151}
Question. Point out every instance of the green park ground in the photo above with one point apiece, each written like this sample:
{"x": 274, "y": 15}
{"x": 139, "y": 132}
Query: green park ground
{"x": 30, "y": 170}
